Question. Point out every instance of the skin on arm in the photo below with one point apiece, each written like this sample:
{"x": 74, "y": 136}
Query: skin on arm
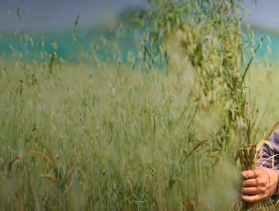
{"x": 261, "y": 183}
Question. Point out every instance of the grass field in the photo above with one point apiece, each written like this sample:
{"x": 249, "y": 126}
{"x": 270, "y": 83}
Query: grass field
{"x": 89, "y": 139}
{"x": 91, "y": 135}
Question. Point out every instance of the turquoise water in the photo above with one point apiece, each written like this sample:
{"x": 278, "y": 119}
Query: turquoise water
{"x": 272, "y": 43}
{"x": 108, "y": 44}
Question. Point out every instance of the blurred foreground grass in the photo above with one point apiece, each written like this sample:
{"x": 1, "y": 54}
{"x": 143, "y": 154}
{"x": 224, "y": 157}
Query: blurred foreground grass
{"x": 89, "y": 139}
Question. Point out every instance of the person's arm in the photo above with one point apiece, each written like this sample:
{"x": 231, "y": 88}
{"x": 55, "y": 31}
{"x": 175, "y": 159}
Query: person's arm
{"x": 270, "y": 152}
{"x": 262, "y": 182}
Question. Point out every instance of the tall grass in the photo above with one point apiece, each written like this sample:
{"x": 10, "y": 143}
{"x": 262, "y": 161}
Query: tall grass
{"x": 99, "y": 141}
{"x": 116, "y": 137}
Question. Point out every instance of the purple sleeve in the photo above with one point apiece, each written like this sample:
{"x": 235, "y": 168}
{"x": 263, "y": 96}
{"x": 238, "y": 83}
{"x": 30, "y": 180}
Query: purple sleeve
{"x": 266, "y": 158}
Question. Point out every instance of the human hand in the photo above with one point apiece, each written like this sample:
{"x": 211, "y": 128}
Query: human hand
{"x": 261, "y": 183}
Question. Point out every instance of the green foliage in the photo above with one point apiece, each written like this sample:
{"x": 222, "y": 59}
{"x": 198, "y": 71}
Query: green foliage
{"x": 207, "y": 36}
{"x": 130, "y": 137}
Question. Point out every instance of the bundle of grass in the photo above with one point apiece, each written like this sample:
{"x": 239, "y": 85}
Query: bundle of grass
{"x": 248, "y": 158}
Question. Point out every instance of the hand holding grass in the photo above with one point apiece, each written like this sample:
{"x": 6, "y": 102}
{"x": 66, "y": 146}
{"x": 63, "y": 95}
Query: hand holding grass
{"x": 261, "y": 183}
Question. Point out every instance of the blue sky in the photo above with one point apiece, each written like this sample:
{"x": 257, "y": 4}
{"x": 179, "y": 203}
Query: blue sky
{"x": 55, "y": 14}
{"x": 265, "y": 13}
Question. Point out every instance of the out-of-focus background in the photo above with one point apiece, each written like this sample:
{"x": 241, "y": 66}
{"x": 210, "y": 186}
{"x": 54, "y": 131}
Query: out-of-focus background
{"x": 264, "y": 14}
{"x": 54, "y": 21}
{"x": 55, "y": 15}
{"x": 52, "y": 14}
